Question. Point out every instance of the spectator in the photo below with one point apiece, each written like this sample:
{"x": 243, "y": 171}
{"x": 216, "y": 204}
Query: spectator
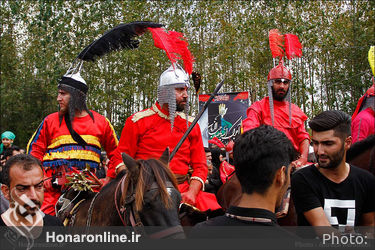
{"x": 332, "y": 192}
{"x": 7, "y": 139}
{"x": 213, "y": 180}
{"x": 262, "y": 159}
{"x": 101, "y": 171}
{"x": 23, "y": 188}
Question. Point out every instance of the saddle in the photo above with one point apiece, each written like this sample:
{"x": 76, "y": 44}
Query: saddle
{"x": 190, "y": 215}
{"x": 84, "y": 182}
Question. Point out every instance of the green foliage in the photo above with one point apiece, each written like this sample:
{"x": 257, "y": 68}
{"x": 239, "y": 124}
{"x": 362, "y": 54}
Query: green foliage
{"x": 229, "y": 39}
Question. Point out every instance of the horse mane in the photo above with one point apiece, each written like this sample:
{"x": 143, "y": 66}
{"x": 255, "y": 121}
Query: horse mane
{"x": 359, "y": 147}
{"x": 150, "y": 171}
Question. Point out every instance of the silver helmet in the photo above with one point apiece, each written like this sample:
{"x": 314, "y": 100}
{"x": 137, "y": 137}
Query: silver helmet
{"x": 172, "y": 78}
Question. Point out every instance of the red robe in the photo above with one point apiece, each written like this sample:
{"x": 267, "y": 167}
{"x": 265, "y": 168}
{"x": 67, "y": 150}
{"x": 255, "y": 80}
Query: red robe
{"x": 53, "y": 145}
{"x": 147, "y": 134}
{"x": 363, "y": 125}
{"x": 259, "y": 113}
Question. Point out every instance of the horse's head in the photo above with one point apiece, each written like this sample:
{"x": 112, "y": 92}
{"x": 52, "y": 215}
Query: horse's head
{"x": 69, "y": 200}
{"x": 150, "y": 195}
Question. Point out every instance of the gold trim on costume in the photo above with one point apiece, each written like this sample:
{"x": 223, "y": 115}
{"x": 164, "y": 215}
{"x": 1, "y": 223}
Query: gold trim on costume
{"x": 67, "y": 139}
{"x": 113, "y": 131}
{"x": 72, "y": 154}
{"x": 183, "y": 116}
{"x": 142, "y": 114}
{"x": 161, "y": 114}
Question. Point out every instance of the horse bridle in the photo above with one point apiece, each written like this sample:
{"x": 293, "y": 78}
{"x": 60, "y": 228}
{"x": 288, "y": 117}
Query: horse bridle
{"x": 134, "y": 218}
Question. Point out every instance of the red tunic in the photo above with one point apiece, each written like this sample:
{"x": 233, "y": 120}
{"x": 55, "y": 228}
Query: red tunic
{"x": 53, "y": 145}
{"x": 259, "y": 113}
{"x": 147, "y": 134}
{"x": 363, "y": 125}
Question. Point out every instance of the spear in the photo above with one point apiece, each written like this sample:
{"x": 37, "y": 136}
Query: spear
{"x": 195, "y": 120}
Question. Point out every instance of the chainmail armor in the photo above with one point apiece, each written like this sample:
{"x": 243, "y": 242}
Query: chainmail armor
{"x": 166, "y": 94}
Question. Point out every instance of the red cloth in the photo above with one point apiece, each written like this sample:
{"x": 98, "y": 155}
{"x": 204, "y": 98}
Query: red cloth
{"x": 147, "y": 134}
{"x": 363, "y": 125}
{"x": 370, "y": 92}
{"x": 53, "y": 145}
{"x": 259, "y": 113}
{"x": 225, "y": 170}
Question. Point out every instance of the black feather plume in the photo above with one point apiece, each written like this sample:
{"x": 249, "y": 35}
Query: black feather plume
{"x": 118, "y": 38}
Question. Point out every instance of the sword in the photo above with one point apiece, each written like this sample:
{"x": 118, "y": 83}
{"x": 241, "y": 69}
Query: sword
{"x": 195, "y": 120}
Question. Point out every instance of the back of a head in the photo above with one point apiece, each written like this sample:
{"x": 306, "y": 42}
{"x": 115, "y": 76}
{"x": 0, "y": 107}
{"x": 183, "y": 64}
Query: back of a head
{"x": 9, "y": 151}
{"x": 27, "y": 162}
{"x": 258, "y": 154}
{"x": 336, "y": 120}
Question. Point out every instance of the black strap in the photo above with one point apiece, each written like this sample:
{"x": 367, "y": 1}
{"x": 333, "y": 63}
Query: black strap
{"x": 76, "y": 137}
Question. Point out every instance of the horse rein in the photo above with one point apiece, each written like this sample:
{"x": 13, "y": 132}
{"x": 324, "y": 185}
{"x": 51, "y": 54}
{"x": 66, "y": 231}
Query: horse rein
{"x": 88, "y": 221}
{"x": 122, "y": 209}
{"x": 134, "y": 217}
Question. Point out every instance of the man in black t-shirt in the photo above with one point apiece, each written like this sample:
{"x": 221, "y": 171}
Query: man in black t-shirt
{"x": 332, "y": 192}
{"x": 262, "y": 161}
{"x": 23, "y": 188}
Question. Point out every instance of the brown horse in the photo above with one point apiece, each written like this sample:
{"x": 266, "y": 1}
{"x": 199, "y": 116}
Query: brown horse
{"x": 362, "y": 154}
{"x": 145, "y": 195}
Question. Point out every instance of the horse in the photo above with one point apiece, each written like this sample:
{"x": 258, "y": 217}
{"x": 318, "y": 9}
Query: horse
{"x": 145, "y": 195}
{"x": 362, "y": 154}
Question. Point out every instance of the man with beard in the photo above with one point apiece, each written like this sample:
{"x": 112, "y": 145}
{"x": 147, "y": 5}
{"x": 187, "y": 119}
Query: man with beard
{"x": 148, "y": 133}
{"x": 70, "y": 140}
{"x": 23, "y": 187}
{"x": 277, "y": 110}
{"x": 332, "y": 192}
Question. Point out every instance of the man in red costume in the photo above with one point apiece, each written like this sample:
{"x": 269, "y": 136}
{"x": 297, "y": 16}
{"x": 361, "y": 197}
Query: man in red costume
{"x": 285, "y": 116}
{"x": 363, "y": 119}
{"x": 148, "y": 133}
{"x": 71, "y": 139}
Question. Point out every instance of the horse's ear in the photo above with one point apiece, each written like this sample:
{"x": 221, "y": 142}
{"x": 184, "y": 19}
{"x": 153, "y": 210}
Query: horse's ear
{"x": 164, "y": 158}
{"x": 129, "y": 162}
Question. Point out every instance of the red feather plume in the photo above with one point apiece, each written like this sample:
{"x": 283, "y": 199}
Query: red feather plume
{"x": 276, "y": 43}
{"x": 175, "y": 45}
{"x": 217, "y": 142}
{"x": 293, "y": 47}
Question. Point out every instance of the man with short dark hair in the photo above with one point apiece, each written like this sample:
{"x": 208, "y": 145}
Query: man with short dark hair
{"x": 23, "y": 187}
{"x": 332, "y": 192}
{"x": 262, "y": 160}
